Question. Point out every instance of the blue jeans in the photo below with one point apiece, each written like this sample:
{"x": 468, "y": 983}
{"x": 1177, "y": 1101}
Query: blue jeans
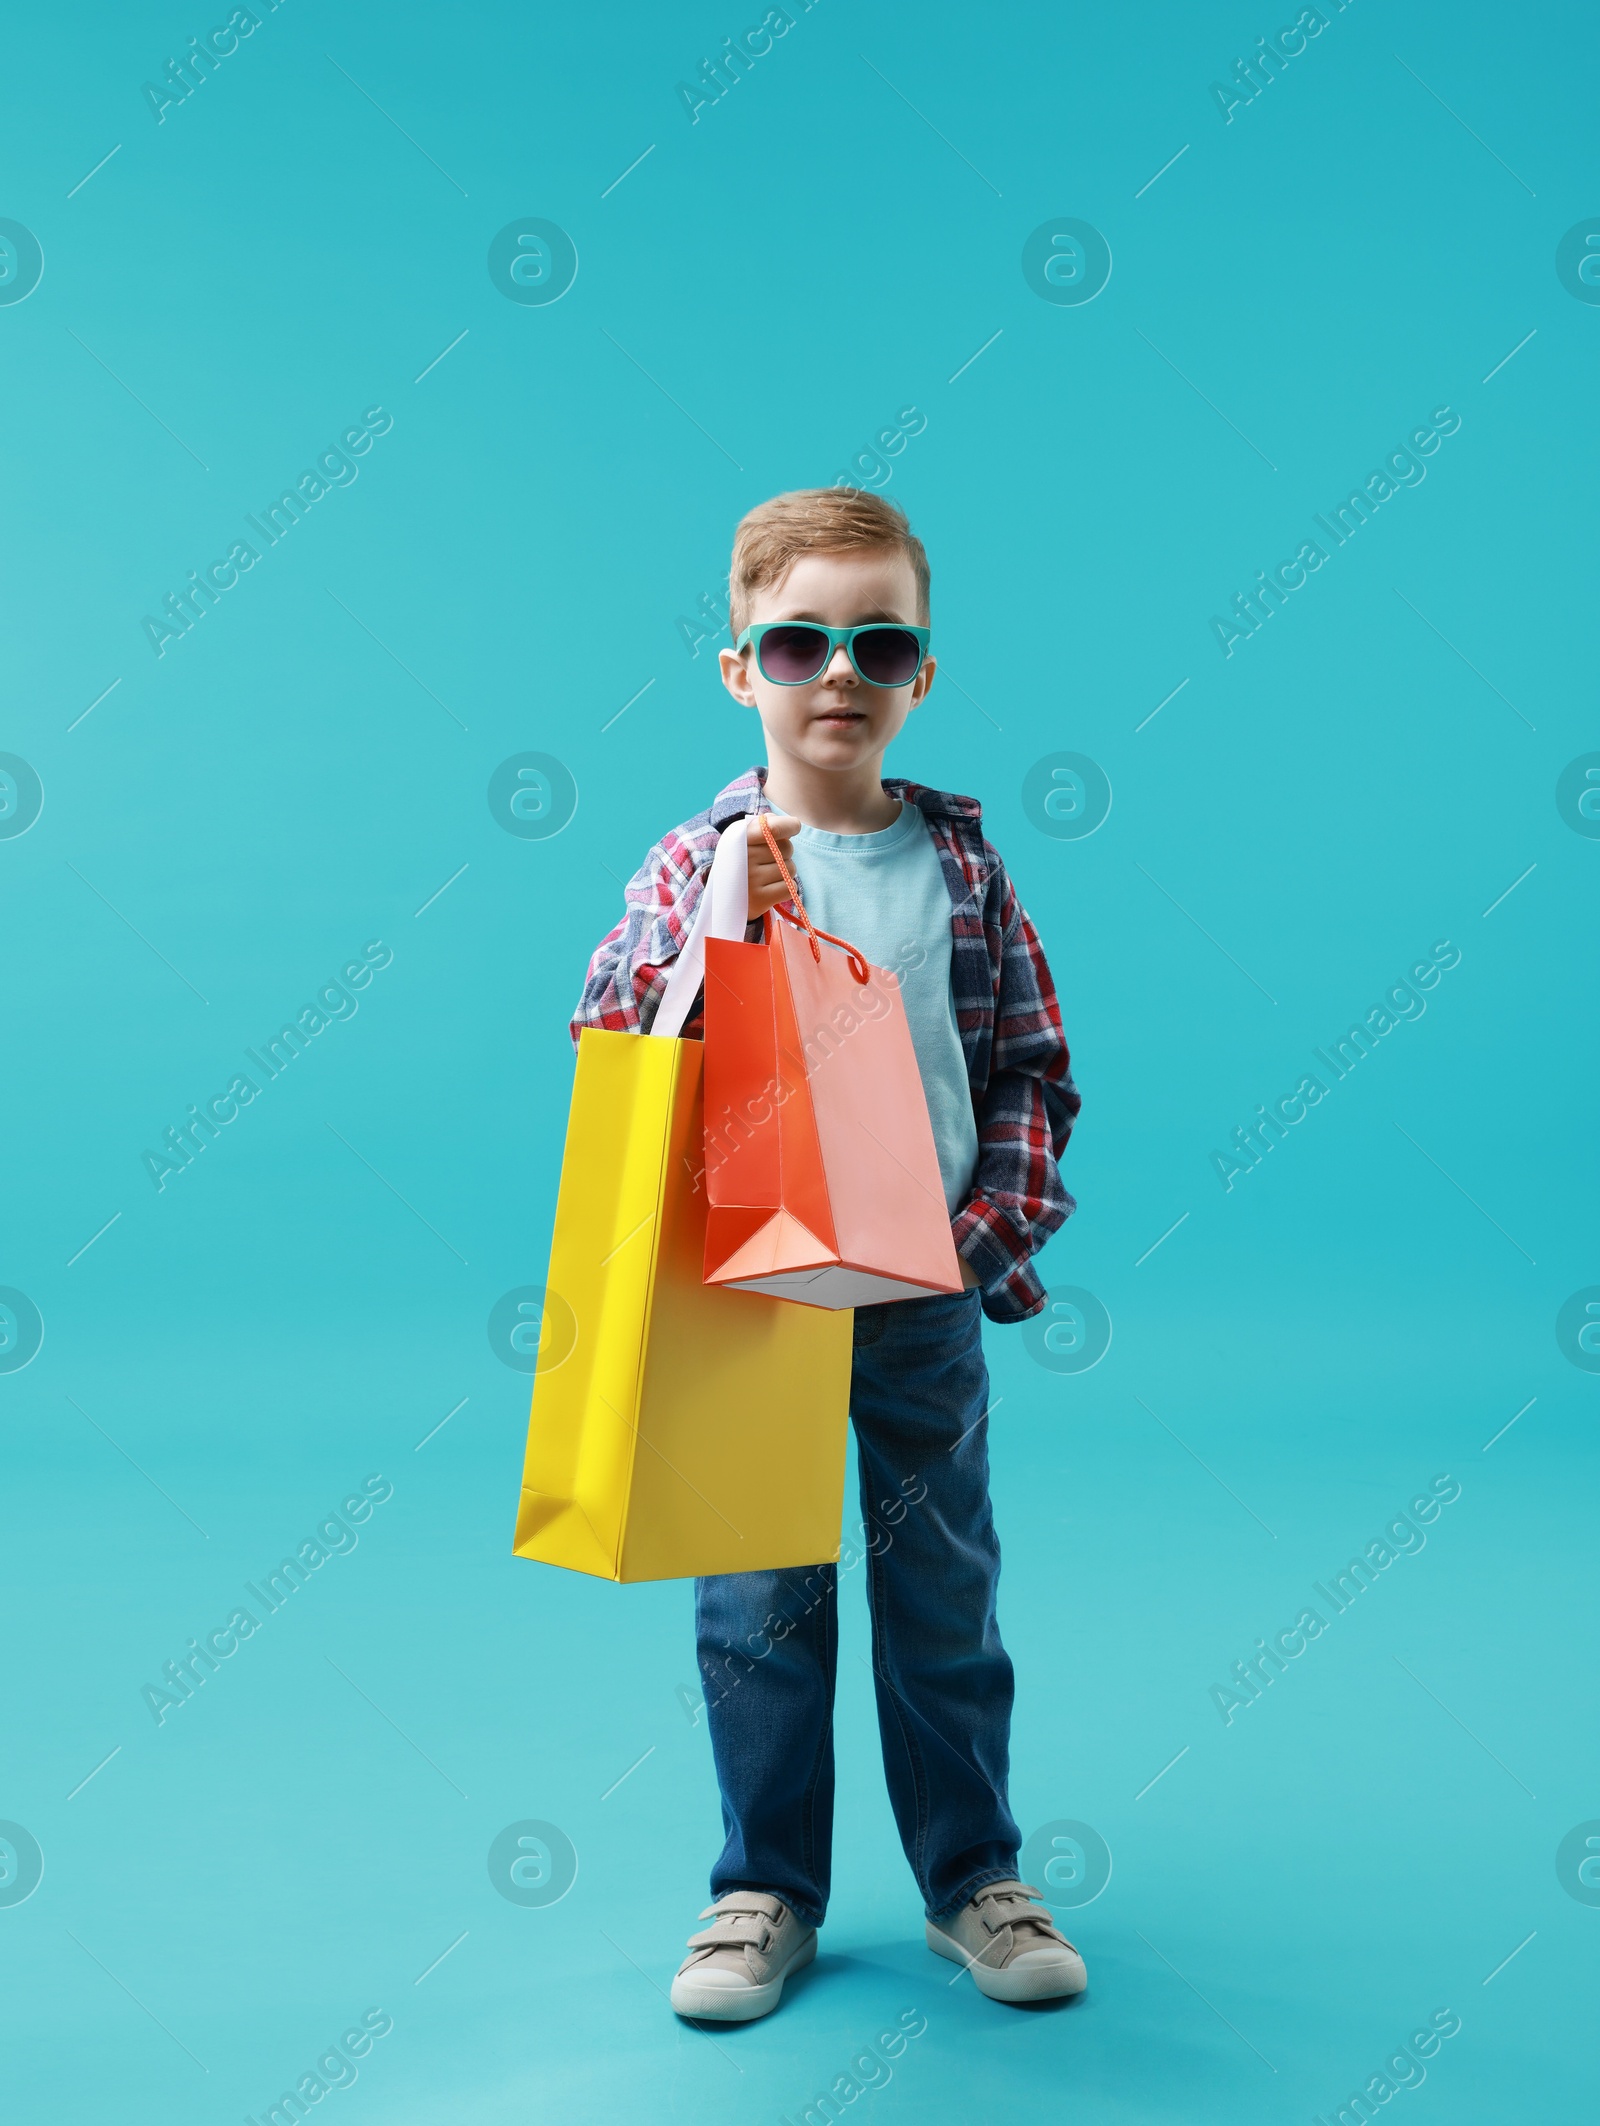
{"x": 768, "y": 1641}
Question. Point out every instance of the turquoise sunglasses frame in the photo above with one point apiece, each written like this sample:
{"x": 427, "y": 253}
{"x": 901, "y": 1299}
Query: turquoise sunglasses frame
{"x": 837, "y": 636}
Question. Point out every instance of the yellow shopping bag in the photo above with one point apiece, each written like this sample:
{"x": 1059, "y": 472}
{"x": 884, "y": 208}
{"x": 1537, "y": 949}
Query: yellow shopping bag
{"x": 677, "y": 1428}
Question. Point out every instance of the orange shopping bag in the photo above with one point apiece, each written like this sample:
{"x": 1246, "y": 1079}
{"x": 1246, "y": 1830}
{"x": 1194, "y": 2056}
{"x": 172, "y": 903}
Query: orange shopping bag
{"x": 822, "y": 1180}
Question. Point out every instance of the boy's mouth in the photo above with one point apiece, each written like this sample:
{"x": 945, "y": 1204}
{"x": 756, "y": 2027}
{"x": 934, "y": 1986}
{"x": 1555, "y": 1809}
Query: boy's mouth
{"x": 841, "y": 716}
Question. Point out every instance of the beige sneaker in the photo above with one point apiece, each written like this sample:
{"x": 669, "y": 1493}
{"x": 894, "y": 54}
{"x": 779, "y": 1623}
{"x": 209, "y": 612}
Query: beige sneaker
{"x": 1010, "y": 1945}
{"x": 735, "y": 1969}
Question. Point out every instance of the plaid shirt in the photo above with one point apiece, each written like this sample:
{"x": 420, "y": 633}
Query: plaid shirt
{"x": 1023, "y": 1097}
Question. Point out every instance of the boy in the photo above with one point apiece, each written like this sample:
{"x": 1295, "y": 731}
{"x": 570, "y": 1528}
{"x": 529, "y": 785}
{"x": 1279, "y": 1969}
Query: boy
{"x": 828, "y": 604}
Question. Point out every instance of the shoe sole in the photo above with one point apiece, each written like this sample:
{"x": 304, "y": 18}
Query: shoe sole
{"x": 736, "y": 2004}
{"x": 1033, "y": 1982}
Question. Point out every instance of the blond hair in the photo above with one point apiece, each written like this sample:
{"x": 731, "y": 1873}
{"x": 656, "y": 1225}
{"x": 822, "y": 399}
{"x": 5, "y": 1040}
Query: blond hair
{"x": 817, "y": 520}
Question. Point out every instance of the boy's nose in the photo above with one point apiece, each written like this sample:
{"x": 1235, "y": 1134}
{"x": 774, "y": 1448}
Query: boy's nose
{"x": 839, "y": 671}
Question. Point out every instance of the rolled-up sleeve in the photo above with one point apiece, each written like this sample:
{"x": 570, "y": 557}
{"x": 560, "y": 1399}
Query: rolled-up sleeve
{"x": 628, "y": 972}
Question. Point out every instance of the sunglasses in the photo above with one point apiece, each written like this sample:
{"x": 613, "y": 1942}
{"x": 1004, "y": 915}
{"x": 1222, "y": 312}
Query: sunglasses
{"x": 791, "y": 653}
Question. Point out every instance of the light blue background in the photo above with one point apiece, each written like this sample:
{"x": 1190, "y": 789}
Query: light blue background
{"x": 1366, "y": 1845}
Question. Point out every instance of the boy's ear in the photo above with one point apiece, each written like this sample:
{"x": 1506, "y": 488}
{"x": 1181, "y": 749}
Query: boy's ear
{"x": 736, "y": 676}
{"x": 922, "y": 682}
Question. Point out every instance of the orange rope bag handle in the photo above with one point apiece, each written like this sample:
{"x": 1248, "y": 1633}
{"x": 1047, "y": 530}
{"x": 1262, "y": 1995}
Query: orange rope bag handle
{"x": 858, "y": 965}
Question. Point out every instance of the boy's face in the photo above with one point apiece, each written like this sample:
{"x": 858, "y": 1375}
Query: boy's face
{"x": 837, "y": 720}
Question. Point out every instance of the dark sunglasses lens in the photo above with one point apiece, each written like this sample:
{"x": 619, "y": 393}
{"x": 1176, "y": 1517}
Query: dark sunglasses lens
{"x": 887, "y": 656}
{"x": 792, "y": 655}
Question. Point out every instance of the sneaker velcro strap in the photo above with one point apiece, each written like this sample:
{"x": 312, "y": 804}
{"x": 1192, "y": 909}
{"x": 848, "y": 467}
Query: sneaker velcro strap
{"x": 761, "y": 1901}
{"x": 1008, "y": 1904}
{"x": 734, "y": 1930}
{"x": 1040, "y": 1921}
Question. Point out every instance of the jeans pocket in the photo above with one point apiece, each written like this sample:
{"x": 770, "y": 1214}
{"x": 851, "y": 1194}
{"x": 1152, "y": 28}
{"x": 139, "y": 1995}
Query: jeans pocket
{"x": 870, "y": 1325}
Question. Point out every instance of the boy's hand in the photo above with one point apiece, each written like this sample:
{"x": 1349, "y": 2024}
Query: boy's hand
{"x": 766, "y": 880}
